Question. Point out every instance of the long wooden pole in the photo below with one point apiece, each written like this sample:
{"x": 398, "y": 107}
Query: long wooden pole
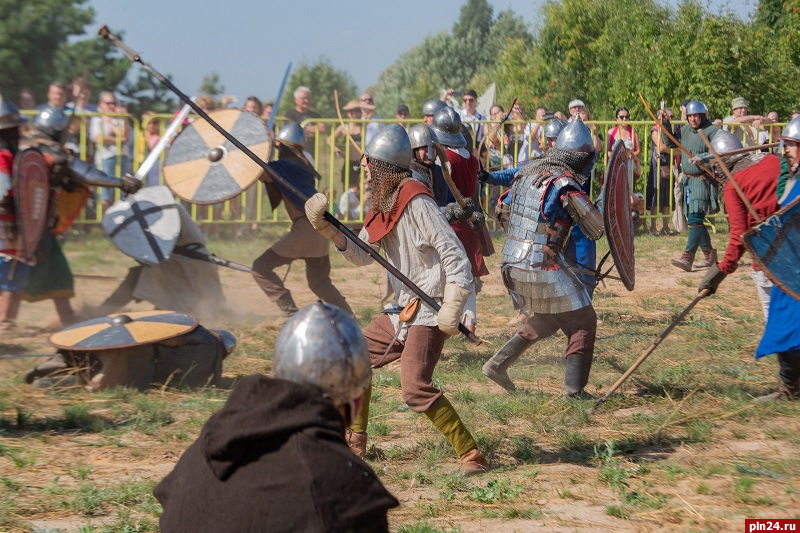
{"x": 648, "y": 351}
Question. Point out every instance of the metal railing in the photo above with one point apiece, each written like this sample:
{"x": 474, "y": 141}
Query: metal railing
{"x": 334, "y": 160}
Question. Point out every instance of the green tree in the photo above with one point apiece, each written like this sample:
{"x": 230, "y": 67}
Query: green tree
{"x": 322, "y": 78}
{"x": 460, "y": 60}
{"x": 96, "y": 60}
{"x": 30, "y": 35}
{"x": 211, "y": 85}
{"x": 147, "y": 94}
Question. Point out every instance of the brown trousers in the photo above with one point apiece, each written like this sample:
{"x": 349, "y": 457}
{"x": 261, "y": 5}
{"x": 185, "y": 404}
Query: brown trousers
{"x": 318, "y": 275}
{"x": 580, "y": 327}
{"x": 420, "y": 352}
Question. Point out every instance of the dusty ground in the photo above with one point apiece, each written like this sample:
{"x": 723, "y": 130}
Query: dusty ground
{"x": 684, "y": 449}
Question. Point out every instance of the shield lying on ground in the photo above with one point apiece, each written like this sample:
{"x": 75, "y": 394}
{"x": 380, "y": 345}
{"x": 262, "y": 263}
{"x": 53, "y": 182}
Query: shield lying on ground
{"x": 202, "y": 167}
{"x": 617, "y": 217}
{"x": 123, "y": 330}
{"x": 775, "y": 247}
{"x": 145, "y": 226}
{"x": 31, "y": 192}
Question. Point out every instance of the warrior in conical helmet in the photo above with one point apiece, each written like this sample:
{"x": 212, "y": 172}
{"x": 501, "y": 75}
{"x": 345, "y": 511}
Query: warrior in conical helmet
{"x": 406, "y": 223}
{"x": 547, "y": 199}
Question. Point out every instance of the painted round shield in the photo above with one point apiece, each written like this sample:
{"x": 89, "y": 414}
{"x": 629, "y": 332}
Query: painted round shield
{"x": 145, "y": 226}
{"x": 202, "y": 167}
{"x": 31, "y": 183}
{"x": 123, "y": 330}
{"x": 617, "y": 217}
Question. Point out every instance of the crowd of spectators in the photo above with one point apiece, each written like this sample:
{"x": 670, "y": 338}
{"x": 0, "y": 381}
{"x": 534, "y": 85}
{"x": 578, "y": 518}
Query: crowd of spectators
{"x": 108, "y": 139}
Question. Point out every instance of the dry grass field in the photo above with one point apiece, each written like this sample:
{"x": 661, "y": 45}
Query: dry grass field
{"x": 682, "y": 448}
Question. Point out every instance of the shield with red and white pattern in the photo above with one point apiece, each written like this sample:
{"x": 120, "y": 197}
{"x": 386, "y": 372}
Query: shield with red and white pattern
{"x": 617, "y": 216}
{"x": 31, "y": 183}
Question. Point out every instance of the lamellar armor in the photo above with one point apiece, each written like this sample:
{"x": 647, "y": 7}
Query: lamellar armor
{"x": 545, "y": 204}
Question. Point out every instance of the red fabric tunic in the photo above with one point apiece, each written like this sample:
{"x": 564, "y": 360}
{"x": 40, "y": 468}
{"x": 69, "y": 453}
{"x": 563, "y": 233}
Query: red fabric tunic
{"x": 378, "y": 225}
{"x": 465, "y": 177}
{"x": 759, "y": 183}
{"x": 8, "y": 218}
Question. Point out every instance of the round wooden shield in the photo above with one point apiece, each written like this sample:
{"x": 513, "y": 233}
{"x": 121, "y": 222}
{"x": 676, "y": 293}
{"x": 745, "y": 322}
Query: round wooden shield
{"x": 123, "y": 330}
{"x": 202, "y": 167}
{"x": 617, "y": 217}
{"x": 31, "y": 184}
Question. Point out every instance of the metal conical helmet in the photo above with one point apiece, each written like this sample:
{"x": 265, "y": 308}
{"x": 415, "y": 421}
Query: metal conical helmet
{"x": 447, "y": 125}
{"x": 792, "y": 130}
{"x": 725, "y": 141}
{"x": 422, "y": 135}
{"x": 576, "y": 137}
{"x": 9, "y": 114}
{"x": 391, "y": 145}
{"x": 322, "y": 346}
{"x": 293, "y": 135}
{"x": 51, "y": 121}
{"x": 554, "y": 127}
{"x": 432, "y": 106}
{"x": 695, "y": 107}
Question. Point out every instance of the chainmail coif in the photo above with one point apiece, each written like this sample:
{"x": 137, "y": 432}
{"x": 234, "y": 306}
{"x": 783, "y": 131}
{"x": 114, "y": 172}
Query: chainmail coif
{"x": 424, "y": 171}
{"x": 559, "y": 160}
{"x": 385, "y": 182}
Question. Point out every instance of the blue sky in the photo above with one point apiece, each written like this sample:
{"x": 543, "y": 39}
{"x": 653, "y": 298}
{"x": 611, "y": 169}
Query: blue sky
{"x": 250, "y": 42}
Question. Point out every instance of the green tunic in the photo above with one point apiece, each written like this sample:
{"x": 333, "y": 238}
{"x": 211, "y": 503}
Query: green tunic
{"x": 692, "y": 141}
{"x": 700, "y": 193}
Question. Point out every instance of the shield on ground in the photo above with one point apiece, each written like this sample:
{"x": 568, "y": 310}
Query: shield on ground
{"x": 202, "y": 167}
{"x": 617, "y": 217}
{"x": 145, "y": 226}
{"x": 31, "y": 192}
{"x": 123, "y": 330}
{"x": 775, "y": 247}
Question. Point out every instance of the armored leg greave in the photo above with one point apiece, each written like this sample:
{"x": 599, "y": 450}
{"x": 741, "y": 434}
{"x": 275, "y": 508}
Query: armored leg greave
{"x": 496, "y": 367}
{"x": 577, "y": 376}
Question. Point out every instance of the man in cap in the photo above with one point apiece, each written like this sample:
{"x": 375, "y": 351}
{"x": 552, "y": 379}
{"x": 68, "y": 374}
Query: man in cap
{"x": 699, "y": 189}
{"x": 274, "y": 458}
{"x": 738, "y": 120}
{"x": 763, "y": 179}
{"x": 302, "y": 242}
{"x": 547, "y": 200}
{"x": 429, "y": 109}
{"x": 405, "y": 222}
{"x": 575, "y": 107}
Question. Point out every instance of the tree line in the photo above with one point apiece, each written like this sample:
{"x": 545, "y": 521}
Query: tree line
{"x": 602, "y": 52}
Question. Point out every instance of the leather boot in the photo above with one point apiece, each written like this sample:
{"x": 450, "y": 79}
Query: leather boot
{"x": 684, "y": 262}
{"x": 577, "y": 376}
{"x": 495, "y": 368}
{"x": 786, "y": 391}
{"x": 709, "y": 259}
{"x": 473, "y": 463}
{"x": 357, "y": 442}
{"x": 288, "y": 308}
